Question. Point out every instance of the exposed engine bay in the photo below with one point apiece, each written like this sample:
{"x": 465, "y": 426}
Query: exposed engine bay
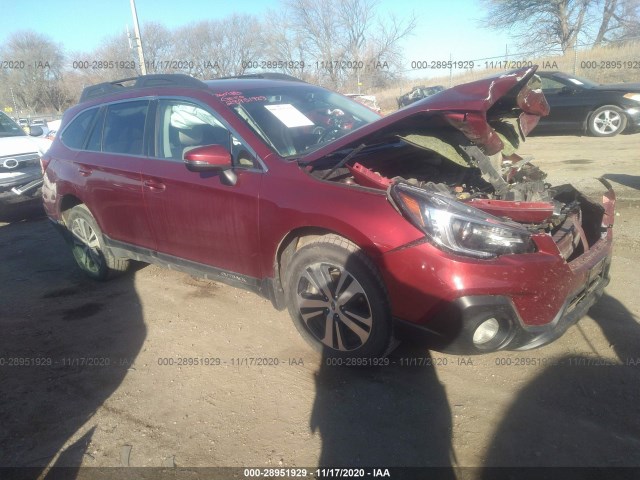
{"x": 506, "y": 186}
{"x": 449, "y": 165}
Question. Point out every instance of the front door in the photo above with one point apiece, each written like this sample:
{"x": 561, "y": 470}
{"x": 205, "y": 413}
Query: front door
{"x": 200, "y": 216}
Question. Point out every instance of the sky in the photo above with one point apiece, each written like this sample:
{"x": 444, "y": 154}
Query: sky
{"x": 444, "y": 28}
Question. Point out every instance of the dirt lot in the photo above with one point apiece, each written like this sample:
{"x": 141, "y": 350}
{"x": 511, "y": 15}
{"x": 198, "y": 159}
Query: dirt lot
{"x": 101, "y": 389}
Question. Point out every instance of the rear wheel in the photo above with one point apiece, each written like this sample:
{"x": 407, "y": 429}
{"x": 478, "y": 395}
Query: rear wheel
{"x": 607, "y": 121}
{"x": 87, "y": 246}
{"x": 337, "y": 301}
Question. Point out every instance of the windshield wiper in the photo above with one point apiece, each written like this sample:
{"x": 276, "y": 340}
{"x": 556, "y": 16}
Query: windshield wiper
{"x": 353, "y": 153}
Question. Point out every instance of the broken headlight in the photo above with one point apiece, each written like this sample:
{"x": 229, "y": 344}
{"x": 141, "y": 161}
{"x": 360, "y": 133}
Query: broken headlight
{"x": 459, "y": 228}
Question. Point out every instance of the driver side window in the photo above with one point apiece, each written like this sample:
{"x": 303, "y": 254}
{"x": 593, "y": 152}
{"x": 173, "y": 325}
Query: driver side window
{"x": 184, "y": 126}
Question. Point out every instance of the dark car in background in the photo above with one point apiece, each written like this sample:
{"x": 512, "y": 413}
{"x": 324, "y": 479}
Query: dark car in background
{"x": 418, "y": 93}
{"x": 581, "y": 105}
{"x": 422, "y": 223}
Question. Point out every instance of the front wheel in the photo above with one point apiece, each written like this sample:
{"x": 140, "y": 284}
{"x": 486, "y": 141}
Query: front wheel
{"x": 607, "y": 121}
{"x": 87, "y": 246}
{"x": 337, "y": 301}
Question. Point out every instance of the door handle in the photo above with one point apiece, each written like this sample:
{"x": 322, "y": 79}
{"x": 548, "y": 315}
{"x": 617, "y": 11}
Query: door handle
{"x": 154, "y": 186}
{"x": 84, "y": 171}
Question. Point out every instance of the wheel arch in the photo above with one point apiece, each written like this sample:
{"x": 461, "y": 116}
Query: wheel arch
{"x": 287, "y": 247}
{"x": 67, "y": 202}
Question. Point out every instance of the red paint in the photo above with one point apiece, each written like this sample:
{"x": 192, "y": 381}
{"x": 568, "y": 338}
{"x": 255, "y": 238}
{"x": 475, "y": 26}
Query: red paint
{"x": 163, "y": 206}
{"x": 525, "y": 212}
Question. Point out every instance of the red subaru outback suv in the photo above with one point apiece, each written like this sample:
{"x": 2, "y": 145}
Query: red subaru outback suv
{"x": 424, "y": 222}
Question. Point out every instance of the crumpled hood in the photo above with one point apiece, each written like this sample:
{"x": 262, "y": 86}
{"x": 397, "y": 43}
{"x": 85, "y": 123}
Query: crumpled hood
{"x": 20, "y": 145}
{"x": 468, "y": 107}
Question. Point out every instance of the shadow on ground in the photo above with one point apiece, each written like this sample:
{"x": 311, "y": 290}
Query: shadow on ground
{"x": 631, "y": 181}
{"x": 14, "y": 208}
{"x": 394, "y": 413}
{"x": 67, "y": 343}
{"x": 582, "y": 411}
{"x": 383, "y": 416}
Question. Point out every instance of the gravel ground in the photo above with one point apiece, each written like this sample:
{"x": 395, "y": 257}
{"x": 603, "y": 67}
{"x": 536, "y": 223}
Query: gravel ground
{"x": 105, "y": 387}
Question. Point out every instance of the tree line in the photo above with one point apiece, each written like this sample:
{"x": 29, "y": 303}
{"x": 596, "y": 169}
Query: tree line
{"x": 346, "y": 45}
{"x": 335, "y": 43}
{"x": 548, "y": 25}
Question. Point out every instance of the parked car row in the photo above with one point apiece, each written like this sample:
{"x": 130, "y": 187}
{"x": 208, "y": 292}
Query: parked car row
{"x": 423, "y": 222}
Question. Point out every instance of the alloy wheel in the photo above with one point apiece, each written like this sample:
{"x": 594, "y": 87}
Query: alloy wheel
{"x": 607, "y": 122}
{"x": 334, "y": 306}
{"x": 86, "y": 246}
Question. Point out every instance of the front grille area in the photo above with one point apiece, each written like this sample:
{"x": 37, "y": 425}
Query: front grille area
{"x": 10, "y": 163}
{"x": 596, "y": 276}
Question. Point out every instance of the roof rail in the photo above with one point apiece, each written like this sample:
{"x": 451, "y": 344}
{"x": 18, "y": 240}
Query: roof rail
{"x": 143, "y": 81}
{"x": 266, "y": 76}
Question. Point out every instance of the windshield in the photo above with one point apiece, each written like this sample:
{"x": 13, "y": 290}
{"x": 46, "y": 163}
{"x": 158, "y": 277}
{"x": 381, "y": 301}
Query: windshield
{"x": 9, "y": 128}
{"x": 295, "y": 120}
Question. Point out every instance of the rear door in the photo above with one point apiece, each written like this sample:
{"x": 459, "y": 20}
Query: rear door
{"x": 199, "y": 216}
{"x": 108, "y": 170}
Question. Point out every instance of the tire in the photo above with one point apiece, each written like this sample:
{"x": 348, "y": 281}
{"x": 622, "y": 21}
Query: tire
{"x": 607, "y": 121}
{"x": 337, "y": 300}
{"x": 87, "y": 246}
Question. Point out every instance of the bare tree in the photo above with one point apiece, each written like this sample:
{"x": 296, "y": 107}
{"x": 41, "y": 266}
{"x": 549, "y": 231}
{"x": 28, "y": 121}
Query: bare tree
{"x": 38, "y": 69}
{"x": 345, "y": 41}
{"x": 620, "y": 19}
{"x": 286, "y": 45}
{"x": 112, "y": 60}
{"x": 157, "y": 44}
{"x": 217, "y": 48}
{"x": 194, "y": 47}
{"x": 543, "y": 24}
{"x": 240, "y": 38}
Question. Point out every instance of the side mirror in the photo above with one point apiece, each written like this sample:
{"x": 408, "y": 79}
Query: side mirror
{"x": 567, "y": 90}
{"x": 35, "y": 131}
{"x": 211, "y": 158}
{"x": 208, "y": 158}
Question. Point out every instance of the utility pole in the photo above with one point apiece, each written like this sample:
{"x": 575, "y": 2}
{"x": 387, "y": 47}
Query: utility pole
{"x": 13, "y": 98}
{"x": 138, "y": 41}
{"x": 575, "y": 56}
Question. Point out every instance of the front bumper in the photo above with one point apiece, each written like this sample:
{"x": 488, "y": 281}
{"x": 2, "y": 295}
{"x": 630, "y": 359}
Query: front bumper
{"x": 535, "y": 297}
{"x": 451, "y": 331}
{"x": 633, "y": 118}
{"x": 19, "y": 178}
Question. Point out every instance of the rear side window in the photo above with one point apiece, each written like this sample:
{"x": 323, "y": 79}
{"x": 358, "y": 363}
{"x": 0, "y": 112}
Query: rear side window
{"x": 95, "y": 140}
{"x": 124, "y": 127}
{"x": 76, "y": 133}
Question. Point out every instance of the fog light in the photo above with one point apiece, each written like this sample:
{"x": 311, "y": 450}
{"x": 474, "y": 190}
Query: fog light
{"x": 486, "y": 331}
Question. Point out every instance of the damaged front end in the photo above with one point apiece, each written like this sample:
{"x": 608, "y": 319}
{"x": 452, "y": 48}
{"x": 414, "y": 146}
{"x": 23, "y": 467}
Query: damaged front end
{"x": 457, "y": 154}
{"x": 521, "y": 260}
